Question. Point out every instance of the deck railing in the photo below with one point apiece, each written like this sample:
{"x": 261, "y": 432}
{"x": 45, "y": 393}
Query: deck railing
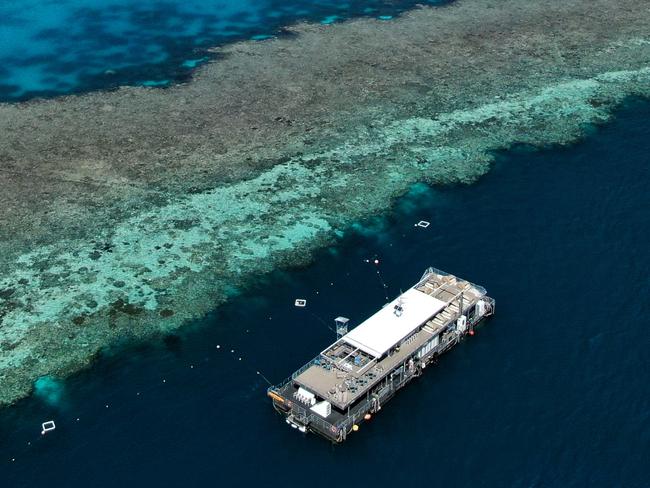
{"x": 437, "y": 271}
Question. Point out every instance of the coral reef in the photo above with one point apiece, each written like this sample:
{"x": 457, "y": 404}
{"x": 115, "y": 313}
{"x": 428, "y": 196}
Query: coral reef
{"x": 126, "y": 213}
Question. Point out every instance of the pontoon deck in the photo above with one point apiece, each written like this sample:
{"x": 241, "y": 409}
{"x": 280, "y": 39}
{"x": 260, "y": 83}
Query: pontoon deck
{"x": 350, "y": 380}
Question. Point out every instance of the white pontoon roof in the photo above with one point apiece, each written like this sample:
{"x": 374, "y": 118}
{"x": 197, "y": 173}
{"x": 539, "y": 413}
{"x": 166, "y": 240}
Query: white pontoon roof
{"x": 384, "y": 329}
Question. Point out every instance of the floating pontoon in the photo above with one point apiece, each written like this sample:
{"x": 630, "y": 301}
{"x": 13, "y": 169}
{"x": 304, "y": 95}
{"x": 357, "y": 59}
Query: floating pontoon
{"x": 351, "y": 379}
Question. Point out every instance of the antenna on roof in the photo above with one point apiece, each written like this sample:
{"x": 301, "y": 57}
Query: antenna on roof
{"x": 398, "y": 309}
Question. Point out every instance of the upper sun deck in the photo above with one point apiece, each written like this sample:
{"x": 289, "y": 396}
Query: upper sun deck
{"x": 356, "y": 362}
{"x": 395, "y": 321}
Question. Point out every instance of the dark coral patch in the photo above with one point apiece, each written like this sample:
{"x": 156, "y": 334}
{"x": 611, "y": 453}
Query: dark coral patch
{"x": 79, "y": 320}
{"x": 6, "y": 293}
{"x": 185, "y": 224}
{"x": 166, "y": 313}
{"x": 122, "y": 306}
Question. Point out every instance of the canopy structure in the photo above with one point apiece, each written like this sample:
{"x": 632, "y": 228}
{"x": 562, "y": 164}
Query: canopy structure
{"x": 389, "y": 326}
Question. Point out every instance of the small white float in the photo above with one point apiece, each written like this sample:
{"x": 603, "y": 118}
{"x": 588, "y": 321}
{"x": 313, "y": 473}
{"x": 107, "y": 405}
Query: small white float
{"x": 300, "y": 302}
{"x": 423, "y": 223}
{"x": 47, "y": 427}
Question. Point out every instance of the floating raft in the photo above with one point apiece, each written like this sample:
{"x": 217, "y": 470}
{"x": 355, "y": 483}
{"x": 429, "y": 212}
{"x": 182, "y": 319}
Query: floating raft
{"x": 48, "y": 426}
{"x": 355, "y": 376}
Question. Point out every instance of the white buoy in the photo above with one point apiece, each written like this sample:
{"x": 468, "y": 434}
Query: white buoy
{"x": 423, "y": 223}
{"x": 47, "y": 427}
{"x": 300, "y": 302}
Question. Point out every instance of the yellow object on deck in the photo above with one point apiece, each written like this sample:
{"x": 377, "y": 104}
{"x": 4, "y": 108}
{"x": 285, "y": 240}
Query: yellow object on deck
{"x": 276, "y": 397}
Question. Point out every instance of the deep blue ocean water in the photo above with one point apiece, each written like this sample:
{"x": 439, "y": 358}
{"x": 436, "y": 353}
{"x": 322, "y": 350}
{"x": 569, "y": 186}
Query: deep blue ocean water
{"x": 551, "y": 392}
{"x": 53, "y": 47}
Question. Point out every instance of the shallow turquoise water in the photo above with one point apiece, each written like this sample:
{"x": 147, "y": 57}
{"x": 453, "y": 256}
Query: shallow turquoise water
{"x": 49, "y": 48}
{"x": 550, "y": 392}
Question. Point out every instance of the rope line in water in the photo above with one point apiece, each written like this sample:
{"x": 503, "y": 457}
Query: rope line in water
{"x": 383, "y": 284}
{"x": 249, "y": 367}
{"x": 142, "y": 391}
{"x": 320, "y": 319}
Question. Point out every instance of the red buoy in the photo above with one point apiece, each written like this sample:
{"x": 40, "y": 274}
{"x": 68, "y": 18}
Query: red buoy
{"x": 471, "y": 332}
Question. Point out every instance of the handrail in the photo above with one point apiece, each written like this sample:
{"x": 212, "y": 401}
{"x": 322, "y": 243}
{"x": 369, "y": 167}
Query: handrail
{"x": 431, "y": 270}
